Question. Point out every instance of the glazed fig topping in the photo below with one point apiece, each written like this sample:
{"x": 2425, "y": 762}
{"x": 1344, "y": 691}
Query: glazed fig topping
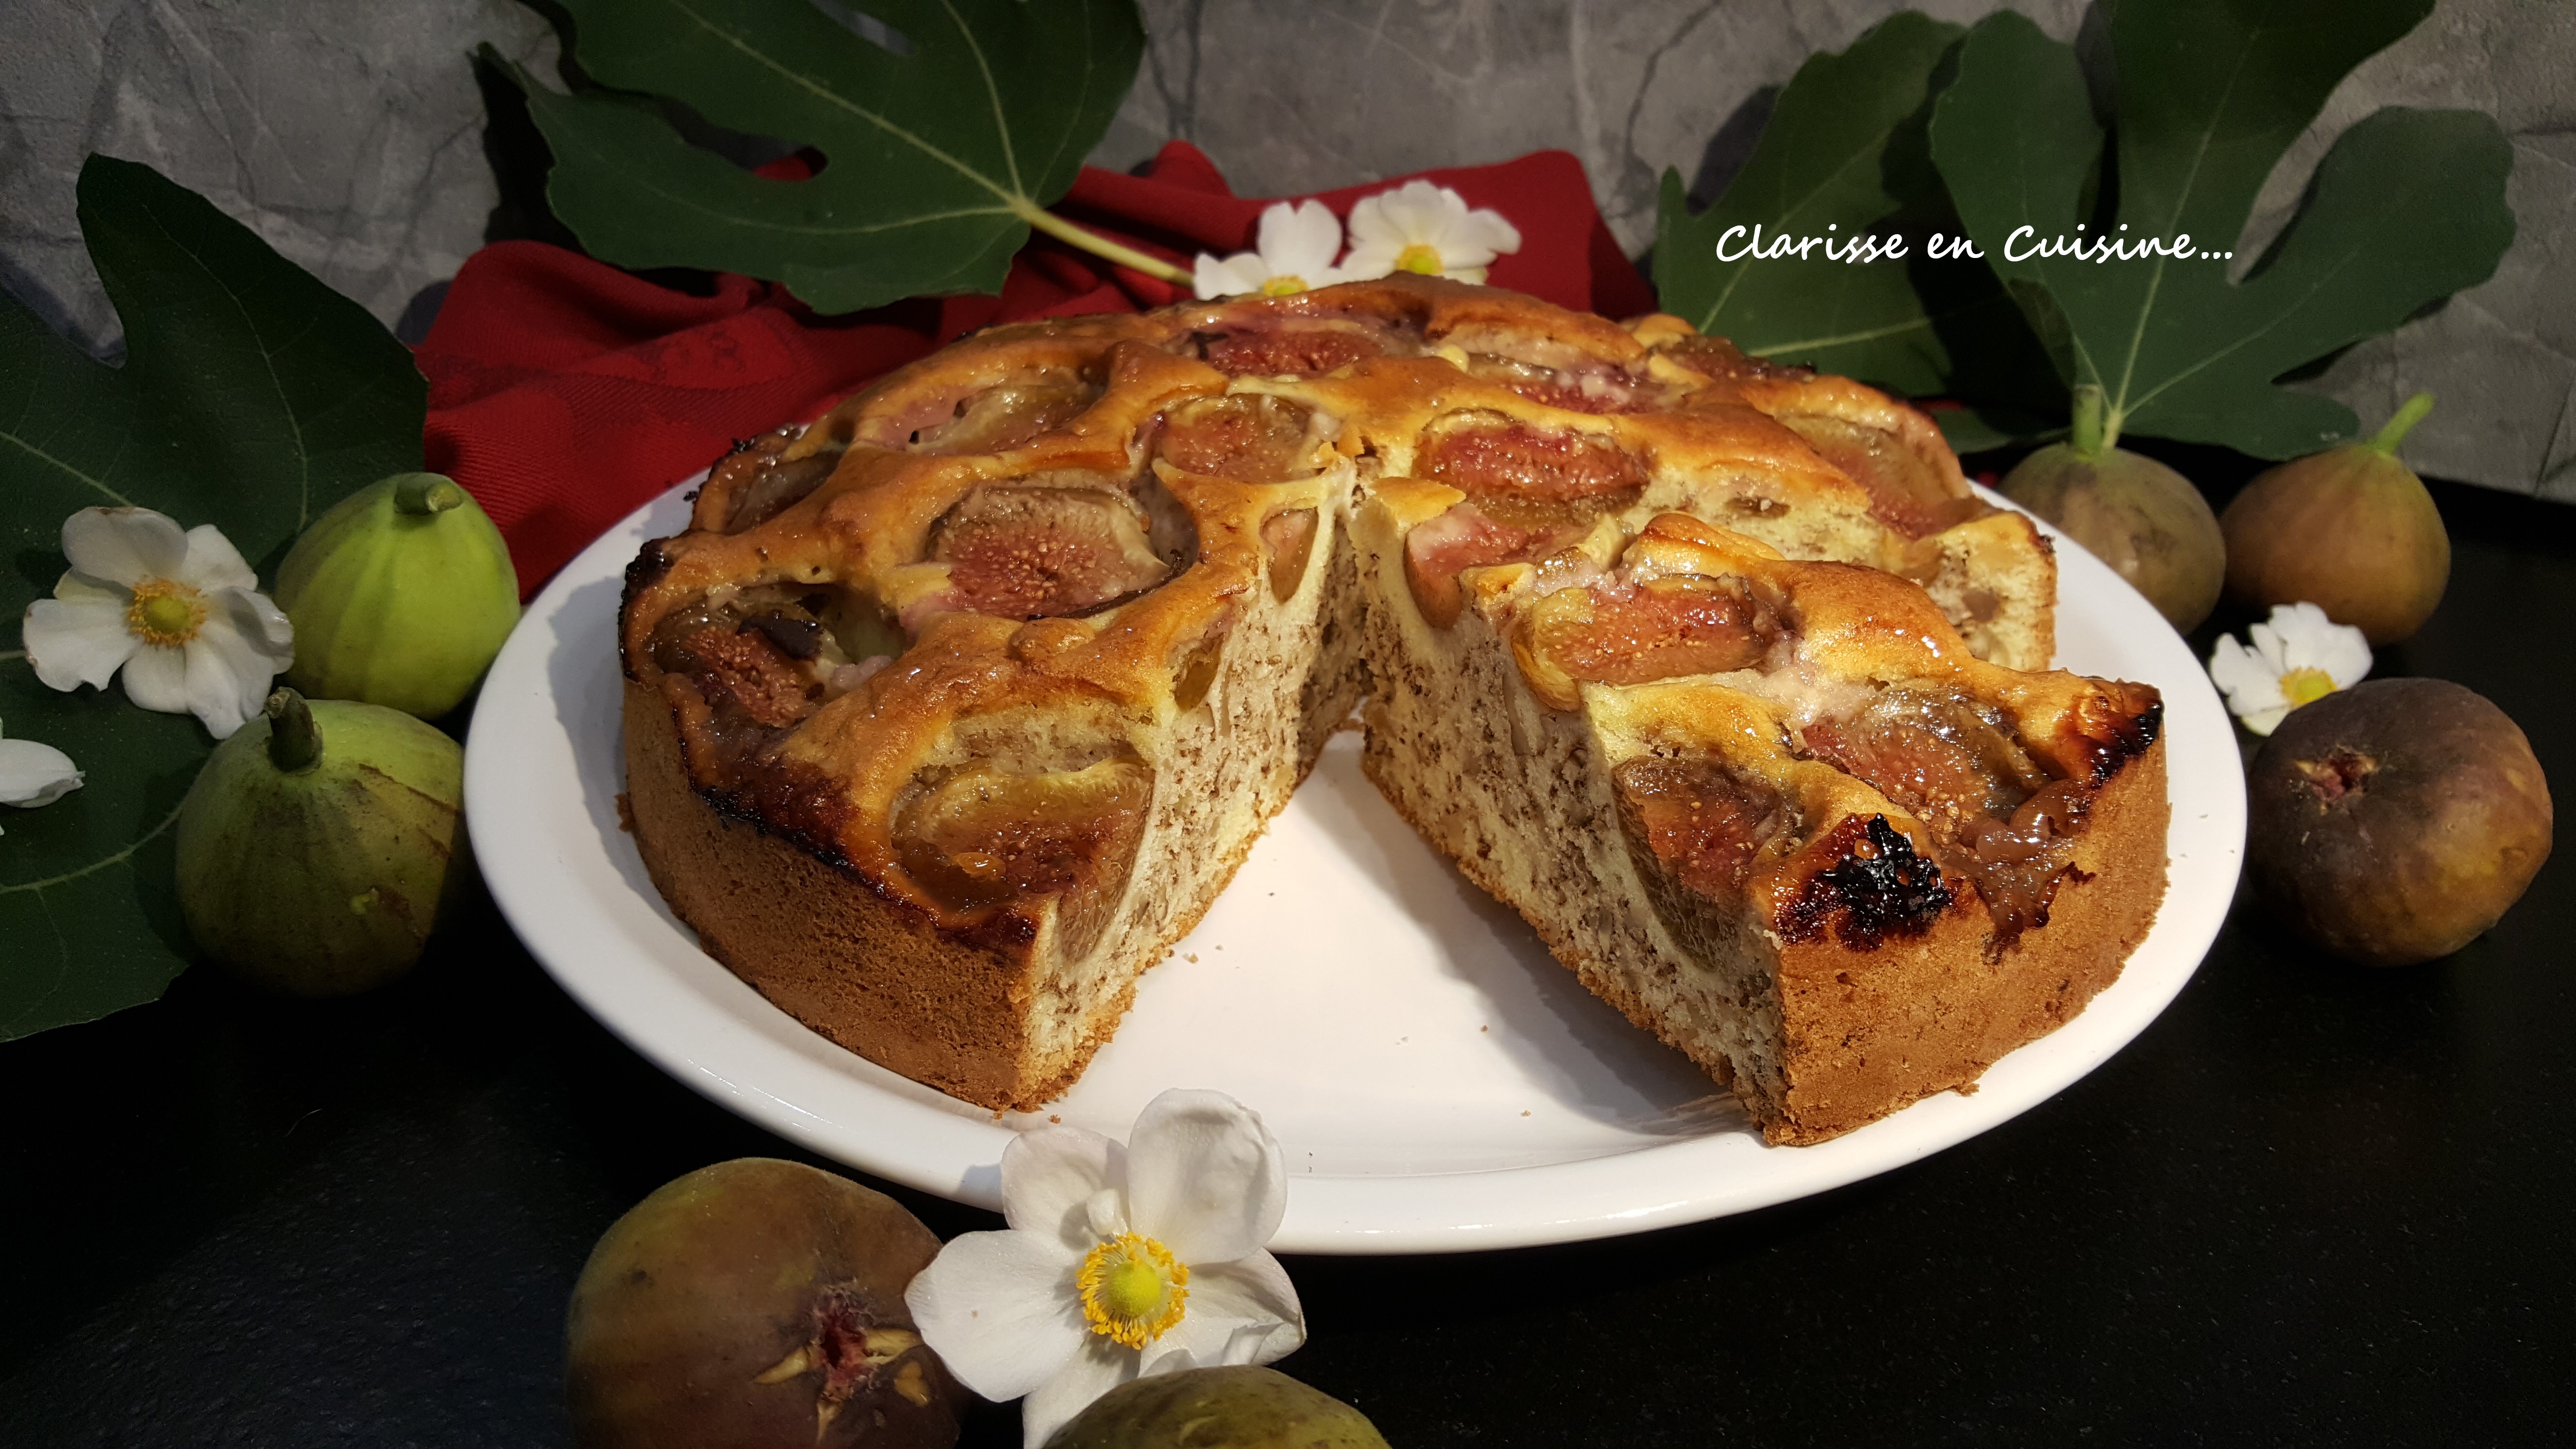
{"x": 1001, "y": 418}
{"x": 1907, "y": 491}
{"x": 1635, "y": 633}
{"x": 1487, "y": 455}
{"x": 977, "y": 837}
{"x": 1248, "y": 438}
{"x": 1284, "y": 349}
{"x": 1704, "y": 824}
{"x": 1289, "y": 539}
{"x": 1589, "y": 390}
{"x": 1028, "y": 553}
{"x": 1437, "y": 551}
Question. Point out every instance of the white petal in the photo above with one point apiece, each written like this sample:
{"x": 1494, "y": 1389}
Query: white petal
{"x": 1372, "y": 229}
{"x": 1099, "y": 1367}
{"x": 1204, "y": 1177}
{"x": 1421, "y": 212}
{"x": 1365, "y": 263}
{"x": 157, "y": 678}
{"x": 1300, "y": 241}
{"x": 232, "y": 660}
{"x": 213, "y": 562}
{"x": 2311, "y": 640}
{"x": 1106, "y": 1213}
{"x": 1243, "y": 272}
{"x": 1245, "y": 1311}
{"x": 2264, "y": 721}
{"x": 2269, "y": 647}
{"x": 1466, "y": 274}
{"x": 1049, "y": 1174}
{"x": 2249, "y": 682}
{"x": 79, "y": 641}
{"x": 33, "y": 774}
{"x": 1000, "y": 1309}
{"x": 1487, "y": 230}
{"x": 124, "y": 545}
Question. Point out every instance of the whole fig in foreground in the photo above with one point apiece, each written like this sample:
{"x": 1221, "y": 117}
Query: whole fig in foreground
{"x": 2142, "y": 518}
{"x": 400, "y": 596}
{"x": 2350, "y": 530}
{"x": 2395, "y": 821}
{"x": 320, "y": 845}
{"x": 1240, "y": 1407}
{"x": 756, "y": 1303}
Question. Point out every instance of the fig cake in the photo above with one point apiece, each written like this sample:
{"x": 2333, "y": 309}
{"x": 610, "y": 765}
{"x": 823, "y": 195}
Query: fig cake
{"x": 949, "y": 714}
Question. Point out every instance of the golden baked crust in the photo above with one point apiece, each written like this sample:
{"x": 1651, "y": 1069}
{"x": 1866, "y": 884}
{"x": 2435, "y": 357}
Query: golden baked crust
{"x": 950, "y": 713}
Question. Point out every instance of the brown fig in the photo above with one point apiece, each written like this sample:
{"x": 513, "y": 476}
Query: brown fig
{"x": 756, "y": 1303}
{"x": 2142, "y": 518}
{"x": 2350, "y": 530}
{"x": 2395, "y": 821}
{"x": 1234, "y": 1407}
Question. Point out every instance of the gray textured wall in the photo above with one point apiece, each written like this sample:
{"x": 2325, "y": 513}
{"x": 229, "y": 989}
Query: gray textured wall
{"x": 350, "y": 136}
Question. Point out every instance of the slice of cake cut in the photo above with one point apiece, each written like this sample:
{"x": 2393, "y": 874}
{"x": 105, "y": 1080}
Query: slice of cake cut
{"x": 1774, "y": 812}
{"x": 947, "y": 716}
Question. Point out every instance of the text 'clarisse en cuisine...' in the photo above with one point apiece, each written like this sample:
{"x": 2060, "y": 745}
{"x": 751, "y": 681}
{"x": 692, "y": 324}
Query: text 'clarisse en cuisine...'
{"x": 1740, "y": 243}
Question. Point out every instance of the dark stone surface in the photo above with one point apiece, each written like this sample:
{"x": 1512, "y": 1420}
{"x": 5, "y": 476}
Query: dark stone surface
{"x": 2311, "y": 1204}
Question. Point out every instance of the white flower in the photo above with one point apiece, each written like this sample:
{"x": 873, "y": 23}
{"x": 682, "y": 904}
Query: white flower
{"x": 2299, "y": 657}
{"x": 32, "y": 774}
{"x": 178, "y": 612}
{"x": 1294, "y": 254}
{"x": 1118, "y": 1262}
{"x": 1419, "y": 227}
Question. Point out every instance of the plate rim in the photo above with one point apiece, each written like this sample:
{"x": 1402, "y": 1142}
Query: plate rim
{"x": 937, "y": 1145}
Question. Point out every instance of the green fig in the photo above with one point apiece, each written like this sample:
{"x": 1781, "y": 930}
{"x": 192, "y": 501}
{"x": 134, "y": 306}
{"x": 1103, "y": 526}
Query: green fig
{"x": 1237, "y": 1407}
{"x": 321, "y": 843}
{"x": 400, "y": 595}
{"x": 2350, "y": 530}
{"x": 2142, "y": 518}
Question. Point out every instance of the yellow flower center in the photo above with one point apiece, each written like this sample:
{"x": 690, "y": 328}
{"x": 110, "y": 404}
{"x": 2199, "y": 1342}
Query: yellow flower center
{"x": 1282, "y": 286}
{"x": 2306, "y": 686}
{"x": 1132, "y": 1289}
{"x": 1420, "y": 257}
{"x": 165, "y": 612}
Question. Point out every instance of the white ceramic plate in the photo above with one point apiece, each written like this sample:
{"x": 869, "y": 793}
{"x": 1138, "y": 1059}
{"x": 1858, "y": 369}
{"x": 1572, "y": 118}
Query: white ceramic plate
{"x": 1438, "y": 1081}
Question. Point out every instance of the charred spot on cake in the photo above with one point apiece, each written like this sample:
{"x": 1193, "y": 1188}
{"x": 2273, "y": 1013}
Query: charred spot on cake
{"x": 2118, "y": 725}
{"x": 1636, "y": 633}
{"x": 1021, "y": 552}
{"x": 1878, "y": 888}
{"x": 1288, "y": 537}
{"x": 1492, "y": 457}
{"x": 794, "y": 801}
{"x": 1247, "y": 437}
{"x": 976, "y": 839}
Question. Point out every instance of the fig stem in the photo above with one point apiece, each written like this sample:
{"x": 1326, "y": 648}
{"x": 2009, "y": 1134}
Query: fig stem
{"x": 293, "y": 742}
{"x": 2399, "y": 426}
{"x": 2095, "y": 429}
{"x": 427, "y": 493}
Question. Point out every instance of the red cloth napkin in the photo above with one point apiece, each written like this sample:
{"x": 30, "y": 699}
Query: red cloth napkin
{"x": 564, "y": 393}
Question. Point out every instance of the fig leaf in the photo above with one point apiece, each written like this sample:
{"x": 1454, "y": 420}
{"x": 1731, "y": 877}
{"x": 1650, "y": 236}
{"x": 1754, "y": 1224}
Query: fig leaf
{"x": 252, "y": 397}
{"x": 946, "y": 129}
{"x": 2407, "y": 207}
{"x": 1846, "y": 148}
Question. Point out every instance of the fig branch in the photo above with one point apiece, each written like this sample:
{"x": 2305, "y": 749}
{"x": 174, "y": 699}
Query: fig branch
{"x": 1100, "y": 246}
